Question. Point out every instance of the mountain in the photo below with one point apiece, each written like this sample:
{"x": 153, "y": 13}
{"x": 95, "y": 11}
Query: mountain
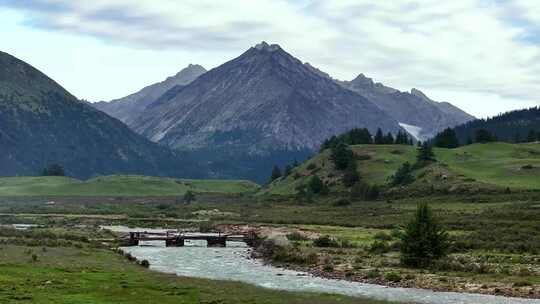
{"x": 260, "y": 105}
{"x": 128, "y": 108}
{"x": 514, "y": 126}
{"x": 41, "y": 123}
{"x": 419, "y": 115}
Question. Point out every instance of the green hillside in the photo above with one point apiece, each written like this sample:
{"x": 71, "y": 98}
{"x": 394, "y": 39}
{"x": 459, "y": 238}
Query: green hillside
{"x": 117, "y": 185}
{"x": 492, "y": 165}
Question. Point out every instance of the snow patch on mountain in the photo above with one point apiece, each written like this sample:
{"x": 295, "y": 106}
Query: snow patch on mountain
{"x": 415, "y": 131}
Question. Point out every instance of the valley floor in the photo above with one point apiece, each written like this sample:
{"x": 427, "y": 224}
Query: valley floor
{"x": 496, "y": 240}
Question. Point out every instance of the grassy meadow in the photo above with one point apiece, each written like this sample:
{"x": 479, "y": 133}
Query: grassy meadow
{"x": 118, "y": 185}
{"x": 490, "y": 165}
{"x": 49, "y": 275}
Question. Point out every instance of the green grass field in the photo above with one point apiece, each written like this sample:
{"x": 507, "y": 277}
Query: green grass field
{"x": 93, "y": 276}
{"x": 483, "y": 165}
{"x": 118, "y": 185}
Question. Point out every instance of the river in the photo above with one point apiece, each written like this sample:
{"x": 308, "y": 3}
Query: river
{"x": 233, "y": 263}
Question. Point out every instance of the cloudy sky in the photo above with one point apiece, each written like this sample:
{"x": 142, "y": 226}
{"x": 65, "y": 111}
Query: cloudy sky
{"x": 481, "y": 55}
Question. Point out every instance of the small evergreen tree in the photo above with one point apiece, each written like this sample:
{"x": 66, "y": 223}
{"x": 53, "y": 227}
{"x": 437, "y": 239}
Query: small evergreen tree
{"x": 350, "y": 176}
{"x": 379, "y": 137}
{"x": 484, "y": 136}
{"x": 403, "y": 175}
{"x": 189, "y": 197}
{"x": 424, "y": 239}
{"x": 53, "y": 170}
{"x": 531, "y": 137}
{"x": 341, "y": 155}
{"x": 389, "y": 139}
{"x": 425, "y": 153}
{"x": 276, "y": 173}
{"x": 288, "y": 170}
{"x": 315, "y": 185}
{"x": 447, "y": 139}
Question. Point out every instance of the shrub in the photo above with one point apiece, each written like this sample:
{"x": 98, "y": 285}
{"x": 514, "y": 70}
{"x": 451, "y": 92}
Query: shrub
{"x": 296, "y": 236}
{"x": 392, "y": 277}
{"x": 325, "y": 241}
{"x": 403, "y": 175}
{"x": 342, "y": 202}
{"x": 373, "y": 273}
{"x": 382, "y": 236}
{"x": 527, "y": 167}
{"x": 379, "y": 247}
{"x": 423, "y": 240}
{"x": 315, "y": 185}
{"x": 311, "y": 166}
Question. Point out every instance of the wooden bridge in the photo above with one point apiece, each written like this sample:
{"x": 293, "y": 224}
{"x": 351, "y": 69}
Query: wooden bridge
{"x": 175, "y": 239}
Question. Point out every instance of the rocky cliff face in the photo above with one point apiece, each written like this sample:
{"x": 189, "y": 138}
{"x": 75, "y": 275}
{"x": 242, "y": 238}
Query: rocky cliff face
{"x": 128, "y": 108}
{"x": 262, "y": 101}
{"x": 41, "y": 123}
{"x": 410, "y": 109}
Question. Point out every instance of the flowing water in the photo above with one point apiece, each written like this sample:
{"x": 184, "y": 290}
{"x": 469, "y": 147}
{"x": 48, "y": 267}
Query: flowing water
{"x": 233, "y": 263}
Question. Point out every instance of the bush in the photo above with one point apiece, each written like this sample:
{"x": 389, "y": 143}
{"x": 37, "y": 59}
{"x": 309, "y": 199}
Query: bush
{"x": 296, "y": 236}
{"x": 325, "y": 241}
{"x": 342, "y": 202}
{"x": 316, "y": 185}
{"x": 392, "y": 277}
{"x": 403, "y": 175}
{"x": 382, "y": 236}
{"x": 311, "y": 166}
{"x": 379, "y": 247}
{"x": 423, "y": 240}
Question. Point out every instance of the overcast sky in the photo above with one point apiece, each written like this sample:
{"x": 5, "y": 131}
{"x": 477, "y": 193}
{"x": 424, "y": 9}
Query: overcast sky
{"x": 481, "y": 55}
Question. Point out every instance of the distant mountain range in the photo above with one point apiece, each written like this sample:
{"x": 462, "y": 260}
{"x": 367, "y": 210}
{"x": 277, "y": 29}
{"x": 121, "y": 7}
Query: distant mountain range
{"x": 267, "y": 107}
{"x": 130, "y": 107}
{"x": 41, "y": 124}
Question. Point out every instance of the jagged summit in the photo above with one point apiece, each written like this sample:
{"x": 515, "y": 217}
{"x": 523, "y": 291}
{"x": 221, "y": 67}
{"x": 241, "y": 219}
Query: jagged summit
{"x": 263, "y": 46}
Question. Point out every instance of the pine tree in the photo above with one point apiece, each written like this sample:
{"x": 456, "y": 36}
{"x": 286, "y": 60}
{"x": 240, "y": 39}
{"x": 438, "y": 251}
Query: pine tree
{"x": 403, "y": 175}
{"x": 276, "y": 173}
{"x": 389, "y": 139}
{"x": 315, "y": 184}
{"x": 341, "y": 155}
{"x": 350, "y": 176}
{"x": 53, "y": 170}
{"x": 425, "y": 153}
{"x": 447, "y": 139}
{"x": 379, "y": 137}
{"x": 424, "y": 239}
{"x": 531, "y": 137}
{"x": 189, "y": 197}
{"x": 484, "y": 136}
{"x": 288, "y": 170}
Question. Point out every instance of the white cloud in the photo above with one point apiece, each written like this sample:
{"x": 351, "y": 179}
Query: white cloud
{"x": 482, "y": 51}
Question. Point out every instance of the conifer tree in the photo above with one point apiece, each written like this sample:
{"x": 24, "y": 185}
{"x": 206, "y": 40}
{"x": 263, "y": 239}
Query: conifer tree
{"x": 276, "y": 173}
{"x": 424, "y": 239}
{"x": 425, "y": 153}
{"x": 447, "y": 139}
{"x": 341, "y": 155}
{"x": 379, "y": 137}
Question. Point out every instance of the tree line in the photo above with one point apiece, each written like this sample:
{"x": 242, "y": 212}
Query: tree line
{"x": 518, "y": 126}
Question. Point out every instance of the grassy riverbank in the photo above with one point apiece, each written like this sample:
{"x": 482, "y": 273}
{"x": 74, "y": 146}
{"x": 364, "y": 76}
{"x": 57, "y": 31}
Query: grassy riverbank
{"x": 90, "y": 275}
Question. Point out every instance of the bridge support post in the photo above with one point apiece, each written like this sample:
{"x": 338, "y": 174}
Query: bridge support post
{"x": 133, "y": 239}
{"x": 218, "y": 241}
{"x": 176, "y": 242}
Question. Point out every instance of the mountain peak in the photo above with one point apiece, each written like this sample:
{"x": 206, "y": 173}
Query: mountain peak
{"x": 419, "y": 94}
{"x": 363, "y": 80}
{"x": 263, "y": 46}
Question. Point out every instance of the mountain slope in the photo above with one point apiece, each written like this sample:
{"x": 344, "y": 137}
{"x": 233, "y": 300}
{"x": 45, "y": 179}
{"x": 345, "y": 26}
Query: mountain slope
{"x": 264, "y": 99}
{"x": 469, "y": 169}
{"x": 410, "y": 109}
{"x": 41, "y": 123}
{"x": 261, "y": 108}
{"x": 512, "y": 126}
{"x": 128, "y": 108}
